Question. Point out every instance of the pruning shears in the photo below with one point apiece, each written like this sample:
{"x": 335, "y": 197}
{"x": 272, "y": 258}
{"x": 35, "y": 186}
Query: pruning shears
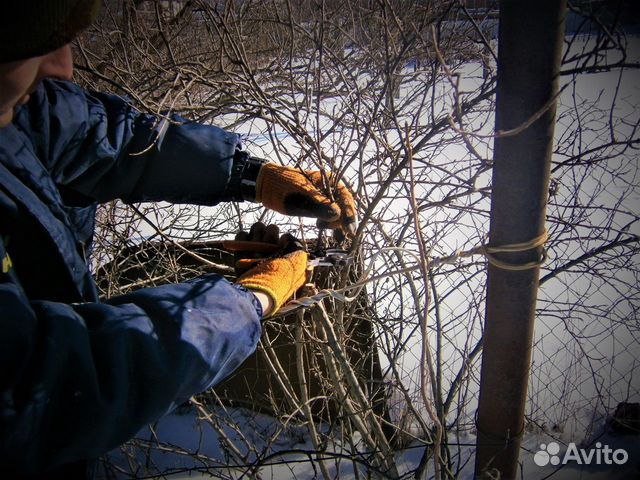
{"x": 330, "y": 257}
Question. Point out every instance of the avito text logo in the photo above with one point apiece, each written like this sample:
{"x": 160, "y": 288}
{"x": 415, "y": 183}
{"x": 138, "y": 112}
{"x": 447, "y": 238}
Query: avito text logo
{"x": 599, "y": 455}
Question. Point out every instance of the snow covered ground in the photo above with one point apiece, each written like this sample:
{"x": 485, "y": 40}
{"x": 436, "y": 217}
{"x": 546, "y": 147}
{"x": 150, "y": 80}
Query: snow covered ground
{"x": 179, "y": 446}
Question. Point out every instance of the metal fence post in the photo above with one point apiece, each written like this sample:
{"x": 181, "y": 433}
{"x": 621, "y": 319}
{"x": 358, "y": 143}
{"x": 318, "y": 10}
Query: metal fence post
{"x": 529, "y": 50}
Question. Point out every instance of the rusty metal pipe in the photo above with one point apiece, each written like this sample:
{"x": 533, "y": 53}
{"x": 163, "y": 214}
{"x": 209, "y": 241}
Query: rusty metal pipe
{"x": 529, "y": 52}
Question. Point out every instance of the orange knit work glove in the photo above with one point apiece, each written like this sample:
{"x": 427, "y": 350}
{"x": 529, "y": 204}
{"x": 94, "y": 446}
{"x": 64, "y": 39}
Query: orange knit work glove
{"x": 279, "y": 276}
{"x": 294, "y": 192}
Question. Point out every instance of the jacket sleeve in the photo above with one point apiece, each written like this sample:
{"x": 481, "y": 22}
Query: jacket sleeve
{"x": 99, "y": 146}
{"x": 80, "y": 379}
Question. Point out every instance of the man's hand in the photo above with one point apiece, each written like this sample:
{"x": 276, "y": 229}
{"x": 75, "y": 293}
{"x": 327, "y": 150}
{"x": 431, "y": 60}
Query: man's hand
{"x": 294, "y": 192}
{"x": 280, "y": 276}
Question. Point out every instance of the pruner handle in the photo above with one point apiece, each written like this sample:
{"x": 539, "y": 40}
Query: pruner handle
{"x": 248, "y": 246}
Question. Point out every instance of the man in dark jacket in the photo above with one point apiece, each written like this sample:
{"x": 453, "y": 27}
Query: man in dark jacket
{"x": 80, "y": 376}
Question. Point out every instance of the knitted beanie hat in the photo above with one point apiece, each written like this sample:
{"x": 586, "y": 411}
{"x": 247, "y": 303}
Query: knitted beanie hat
{"x": 30, "y": 28}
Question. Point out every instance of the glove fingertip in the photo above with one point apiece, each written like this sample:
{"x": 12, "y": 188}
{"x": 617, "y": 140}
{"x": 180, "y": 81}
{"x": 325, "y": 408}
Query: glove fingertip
{"x": 332, "y": 213}
{"x": 351, "y": 226}
{"x": 272, "y": 234}
{"x": 242, "y": 236}
{"x": 290, "y": 244}
{"x": 256, "y": 233}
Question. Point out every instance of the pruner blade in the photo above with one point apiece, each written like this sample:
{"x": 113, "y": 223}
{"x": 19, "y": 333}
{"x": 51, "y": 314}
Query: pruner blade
{"x": 332, "y": 257}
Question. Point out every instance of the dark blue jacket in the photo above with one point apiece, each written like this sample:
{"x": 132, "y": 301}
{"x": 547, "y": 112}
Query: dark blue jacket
{"x": 79, "y": 376}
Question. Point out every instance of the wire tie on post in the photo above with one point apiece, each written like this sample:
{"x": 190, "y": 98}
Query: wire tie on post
{"x": 500, "y": 439}
{"x": 536, "y": 242}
